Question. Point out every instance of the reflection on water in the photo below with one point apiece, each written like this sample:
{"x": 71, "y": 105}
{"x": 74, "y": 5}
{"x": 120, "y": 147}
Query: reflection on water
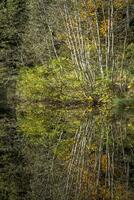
{"x": 62, "y": 154}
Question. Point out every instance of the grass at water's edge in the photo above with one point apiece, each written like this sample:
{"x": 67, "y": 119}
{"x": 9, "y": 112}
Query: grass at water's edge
{"x": 116, "y": 103}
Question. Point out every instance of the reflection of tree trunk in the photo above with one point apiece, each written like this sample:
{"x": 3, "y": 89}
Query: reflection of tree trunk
{"x": 13, "y": 173}
{"x": 98, "y": 157}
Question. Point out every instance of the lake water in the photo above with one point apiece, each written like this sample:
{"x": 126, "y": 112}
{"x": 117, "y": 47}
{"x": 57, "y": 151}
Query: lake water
{"x": 66, "y": 154}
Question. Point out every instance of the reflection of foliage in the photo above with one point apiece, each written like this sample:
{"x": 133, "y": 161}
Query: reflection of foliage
{"x": 91, "y": 156}
{"x": 32, "y": 123}
{"x": 62, "y": 151}
{"x": 74, "y": 156}
{"x": 38, "y": 122}
{"x": 96, "y": 159}
{"x": 14, "y": 178}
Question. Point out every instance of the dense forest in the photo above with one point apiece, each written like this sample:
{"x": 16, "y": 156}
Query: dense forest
{"x": 66, "y": 99}
{"x": 68, "y": 51}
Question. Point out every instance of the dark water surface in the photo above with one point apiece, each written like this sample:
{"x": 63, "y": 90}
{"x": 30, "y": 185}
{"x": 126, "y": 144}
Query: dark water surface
{"x": 66, "y": 154}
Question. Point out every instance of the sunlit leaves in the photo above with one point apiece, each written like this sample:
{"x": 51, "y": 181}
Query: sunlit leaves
{"x": 57, "y": 80}
{"x": 31, "y": 82}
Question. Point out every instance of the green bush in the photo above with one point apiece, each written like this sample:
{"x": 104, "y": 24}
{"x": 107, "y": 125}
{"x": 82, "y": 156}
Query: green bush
{"x": 31, "y": 83}
{"x": 57, "y": 81}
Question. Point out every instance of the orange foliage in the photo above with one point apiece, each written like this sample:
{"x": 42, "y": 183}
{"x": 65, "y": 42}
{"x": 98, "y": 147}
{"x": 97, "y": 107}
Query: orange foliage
{"x": 104, "y": 27}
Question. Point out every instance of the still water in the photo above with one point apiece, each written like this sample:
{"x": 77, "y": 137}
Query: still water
{"x": 66, "y": 154}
